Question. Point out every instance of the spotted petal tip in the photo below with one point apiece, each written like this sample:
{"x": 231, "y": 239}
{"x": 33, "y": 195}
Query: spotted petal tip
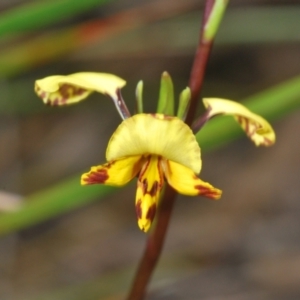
{"x": 115, "y": 173}
{"x": 185, "y": 181}
{"x": 62, "y": 90}
{"x": 256, "y": 127}
{"x": 149, "y": 186}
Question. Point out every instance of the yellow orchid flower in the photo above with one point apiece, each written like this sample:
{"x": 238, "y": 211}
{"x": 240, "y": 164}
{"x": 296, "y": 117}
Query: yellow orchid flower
{"x": 60, "y": 90}
{"x": 154, "y": 147}
{"x": 256, "y": 127}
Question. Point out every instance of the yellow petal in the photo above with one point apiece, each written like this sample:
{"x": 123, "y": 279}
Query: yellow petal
{"x": 185, "y": 181}
{"x": 150, "y": 183}
{"x": 156, "y": 134}
{"x": 116, "y": 172}
{"x": 256, "y": 127}
{"x": 61, "y": 90}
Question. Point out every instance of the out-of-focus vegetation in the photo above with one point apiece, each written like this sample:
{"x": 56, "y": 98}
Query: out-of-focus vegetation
{"x": 255, "y": 60}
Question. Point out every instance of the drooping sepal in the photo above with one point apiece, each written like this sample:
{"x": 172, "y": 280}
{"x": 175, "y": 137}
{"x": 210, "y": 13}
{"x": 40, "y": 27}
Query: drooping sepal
{"x": 256, "y": 127}
{"x": 62, "y": 90}
{"x": 166, "y": 95}
{"x": 115, "y": 173}
{"x": 149, "y": 185}
{"x": 185, "y": 181}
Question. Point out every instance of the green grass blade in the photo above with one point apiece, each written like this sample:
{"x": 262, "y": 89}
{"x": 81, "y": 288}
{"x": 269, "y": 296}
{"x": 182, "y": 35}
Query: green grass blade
{"x": 52, "y": 202}
{"x": 40, "y": 13}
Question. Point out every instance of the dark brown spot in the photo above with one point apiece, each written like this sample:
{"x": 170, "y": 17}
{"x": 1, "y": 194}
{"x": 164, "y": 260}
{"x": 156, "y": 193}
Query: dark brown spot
{"x": 207, "y": 192}
{"x": 97, "y": 177}
{"x": 67, "y": 91}
{"x": 138, "y": 209}
{"x": 151, "y": 212}
{"x": 144, "y": 186}
{"x": 154, "y": 189}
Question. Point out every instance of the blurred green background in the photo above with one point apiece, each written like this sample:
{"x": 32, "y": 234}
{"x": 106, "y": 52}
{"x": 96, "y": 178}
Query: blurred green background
{"x": 62, "y": 241}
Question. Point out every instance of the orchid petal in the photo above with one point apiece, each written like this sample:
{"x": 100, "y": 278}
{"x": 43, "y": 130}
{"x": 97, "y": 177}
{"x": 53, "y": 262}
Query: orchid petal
{"x": 185, "y": 182}
{"x": 150, "y": 183}
{"x": 62, "y": 90}
{"x": 155, "y": 134}
{"x": 256, "y": 127}
{"x": 116, "y": 172}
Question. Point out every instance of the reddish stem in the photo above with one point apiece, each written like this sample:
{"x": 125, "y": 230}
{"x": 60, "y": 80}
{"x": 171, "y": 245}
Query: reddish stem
{"x": 199, "y": 65}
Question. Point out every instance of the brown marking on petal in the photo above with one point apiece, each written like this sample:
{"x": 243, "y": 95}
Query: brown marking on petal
{"x": 144, "y": 186}
{"x": 154, "y": 189}
{"x": 207, "y": 192}
{"x": 65, "y": 90}
{"x": 254, "y": 127}
{"x": 155, "y": 116}
{"x": 96, "y": 177}
{"x": 151, "y": 212}
{"x": 161, "y": 117}
{"x": 161, "y": 174}
{"x": 108, "y": 165}
{"x": 267, "y": 142}
{"x": 244, "y": 123}
{"x": 144, "y": 167}
{"x": 137, "y": 166}
{"x": 138, "y": 209}
{"x": 249, "y": 126}
{"x": 61, "y": 97}
{"x": 99, "y": 176}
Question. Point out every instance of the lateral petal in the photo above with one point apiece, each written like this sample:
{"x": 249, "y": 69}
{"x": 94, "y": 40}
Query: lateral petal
{"x": 185, "y": 181}
{"x": 62, "y": 90}
{"x": 149, "y": 185}
{"x": 256, "y": 127}
{"x": 116, "y": 172}
{"x": 156, "y": 134}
